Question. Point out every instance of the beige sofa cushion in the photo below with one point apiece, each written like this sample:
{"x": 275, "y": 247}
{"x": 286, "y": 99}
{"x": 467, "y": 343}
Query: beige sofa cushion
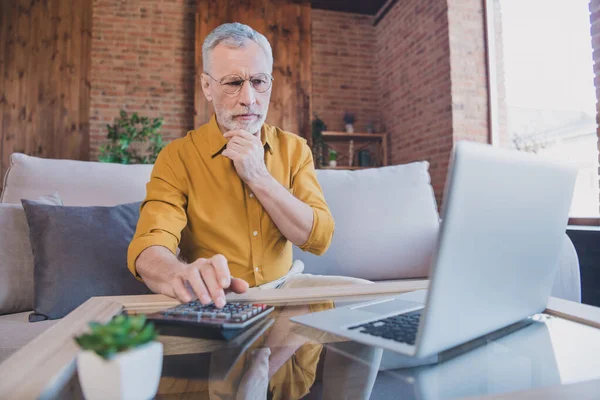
{"x": 79, "y": 183}
{"x": 386, "y": 223}
{"x": 16, "y": 258}
{"x": 16, "y": 331}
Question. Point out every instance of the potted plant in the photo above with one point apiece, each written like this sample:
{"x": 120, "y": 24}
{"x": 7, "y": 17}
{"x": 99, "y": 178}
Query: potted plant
{"x": 349, "y": 121}
{"x": 133, "y": 140}
{"x": 318, "y": 126}
{"x": 332, "y": 158}
{"x": 120, "y": 359}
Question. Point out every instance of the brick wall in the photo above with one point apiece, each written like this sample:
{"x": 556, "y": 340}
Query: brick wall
{"x": 142, "y": 60}
{"x": 468, "y": 70}
{"x": 413, "y": 59}
{"x": 428, "y": 87}
{"x": 433, "y": 80}
{"x": 595, "y": 31}
{"x": 344, "y": 75}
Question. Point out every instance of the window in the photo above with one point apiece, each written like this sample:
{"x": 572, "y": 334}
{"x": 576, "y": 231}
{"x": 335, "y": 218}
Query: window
{"x": 549, "y": 82}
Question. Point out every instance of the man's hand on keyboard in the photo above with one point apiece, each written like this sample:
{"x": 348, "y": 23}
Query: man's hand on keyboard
{"x": 207, "y": 278}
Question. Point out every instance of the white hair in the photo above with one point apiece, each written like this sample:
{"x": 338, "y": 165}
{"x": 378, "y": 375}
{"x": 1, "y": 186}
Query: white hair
{"x": 235, "y": 35}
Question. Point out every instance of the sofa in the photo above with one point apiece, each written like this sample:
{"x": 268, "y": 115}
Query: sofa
{"x": 386, "y": 222}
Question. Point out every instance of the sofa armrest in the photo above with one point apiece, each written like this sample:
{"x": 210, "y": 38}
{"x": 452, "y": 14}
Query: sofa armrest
{"x": 567, "y": 283}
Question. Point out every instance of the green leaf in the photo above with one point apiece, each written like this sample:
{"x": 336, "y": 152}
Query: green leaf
{"x": 119, "y": 334}
{"x": 127, "y": 130}
{"x": 95, "y": 327}
{"x": 137, "y": 322}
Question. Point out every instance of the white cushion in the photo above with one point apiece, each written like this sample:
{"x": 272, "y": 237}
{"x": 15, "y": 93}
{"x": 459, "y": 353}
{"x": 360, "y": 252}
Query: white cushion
{"x": 79, "y": 183}
{"x": 386, "y": 223}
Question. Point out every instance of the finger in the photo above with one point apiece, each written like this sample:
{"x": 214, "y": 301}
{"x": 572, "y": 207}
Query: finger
{"x": 237, "y": 147}
{"x": 231, "y": 154}
{"x": 219, "y": 263}
{"x": 237, "y": 132}
{"x": 243, "y": 143}
{"x": 246, "y": 145}
{"x": 214, "y": 288}
{"x": 238, "y": 285}
{"x": 242, "y": 134}
{"x": 198, "y": 285}
{"x": 181, "y": 292}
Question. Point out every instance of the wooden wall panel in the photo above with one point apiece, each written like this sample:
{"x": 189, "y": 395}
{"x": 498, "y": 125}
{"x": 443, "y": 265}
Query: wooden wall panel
{"x": 287, "y": 26}
{"x": 45, "y": 85}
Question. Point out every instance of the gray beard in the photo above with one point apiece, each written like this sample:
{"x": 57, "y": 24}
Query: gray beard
{"x": 252, "y": 127}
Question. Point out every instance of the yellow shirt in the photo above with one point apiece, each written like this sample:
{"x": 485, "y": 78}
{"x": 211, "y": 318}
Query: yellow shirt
{"x": 196, "y": 201}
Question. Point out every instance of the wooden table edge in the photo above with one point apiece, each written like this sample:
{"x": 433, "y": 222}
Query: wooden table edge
{"x": 53, "y": 353}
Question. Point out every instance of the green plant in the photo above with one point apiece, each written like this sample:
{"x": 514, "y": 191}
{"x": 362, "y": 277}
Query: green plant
{"x": 332, "y": 155}
{"x": 318, "y": 126}
{"x": 127, "y": 138}
{"x": 123, "y": 332}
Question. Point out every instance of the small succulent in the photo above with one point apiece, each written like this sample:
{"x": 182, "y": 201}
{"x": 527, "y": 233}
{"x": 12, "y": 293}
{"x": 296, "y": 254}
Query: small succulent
{"x": 123, "y": 332}
{"x": 332, "y": 155}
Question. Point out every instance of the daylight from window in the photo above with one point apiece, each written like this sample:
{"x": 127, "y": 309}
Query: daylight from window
{"x": 550, "y": 94}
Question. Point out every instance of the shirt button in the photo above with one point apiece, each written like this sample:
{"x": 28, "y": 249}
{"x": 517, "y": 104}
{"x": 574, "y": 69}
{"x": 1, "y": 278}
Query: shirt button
{"x": 251, "y": 195}
{"x": 255, "y": 233}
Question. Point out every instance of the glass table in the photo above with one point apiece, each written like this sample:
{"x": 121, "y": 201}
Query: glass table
{"x": 279, "y": 359}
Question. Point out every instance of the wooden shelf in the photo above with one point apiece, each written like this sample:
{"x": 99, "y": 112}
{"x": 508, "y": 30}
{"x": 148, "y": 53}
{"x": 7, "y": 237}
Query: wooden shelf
{"x": 355, "y": 135}
{"x": 376, "y": 143}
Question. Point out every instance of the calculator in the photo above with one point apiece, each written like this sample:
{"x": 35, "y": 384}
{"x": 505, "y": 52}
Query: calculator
{"x": 194, "y": 319}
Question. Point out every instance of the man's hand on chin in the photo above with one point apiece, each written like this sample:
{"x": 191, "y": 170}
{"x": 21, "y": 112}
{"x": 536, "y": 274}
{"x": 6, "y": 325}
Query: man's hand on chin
{"x": 248, "y": 155}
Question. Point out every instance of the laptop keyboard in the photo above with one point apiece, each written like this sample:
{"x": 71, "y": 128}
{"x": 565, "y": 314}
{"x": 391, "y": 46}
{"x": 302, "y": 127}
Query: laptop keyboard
{"x": 401, "y": 328}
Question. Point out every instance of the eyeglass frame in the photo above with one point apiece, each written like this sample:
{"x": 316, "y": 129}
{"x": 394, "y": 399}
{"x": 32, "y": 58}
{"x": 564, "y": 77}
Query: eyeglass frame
{"x": 220, "y": 82}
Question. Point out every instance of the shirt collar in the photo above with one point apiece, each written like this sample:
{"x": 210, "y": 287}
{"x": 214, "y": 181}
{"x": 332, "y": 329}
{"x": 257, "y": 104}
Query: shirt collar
{"x": 217, "y": 142}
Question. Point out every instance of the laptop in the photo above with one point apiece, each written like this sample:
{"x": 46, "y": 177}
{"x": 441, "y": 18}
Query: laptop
{"x": 503, "y": 225}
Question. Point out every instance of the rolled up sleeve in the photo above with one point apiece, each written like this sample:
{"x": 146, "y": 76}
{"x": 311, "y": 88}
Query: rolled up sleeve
{"x": 307, "y": 189}
{"x": 163, "y": 211}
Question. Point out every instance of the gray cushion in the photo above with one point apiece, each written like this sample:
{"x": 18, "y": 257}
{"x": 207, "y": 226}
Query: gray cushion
{"x": 79, "y": 252}
{"x": 16, "y": 259}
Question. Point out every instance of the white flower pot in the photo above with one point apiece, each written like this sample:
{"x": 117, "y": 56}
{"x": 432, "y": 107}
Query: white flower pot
{"x": 349, "y": 128}
{"x": 332, "y": 163}
{"x": 131, "y": 375}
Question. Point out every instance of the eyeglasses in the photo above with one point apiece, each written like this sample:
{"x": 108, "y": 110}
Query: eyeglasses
{"x": 232, "y": 84}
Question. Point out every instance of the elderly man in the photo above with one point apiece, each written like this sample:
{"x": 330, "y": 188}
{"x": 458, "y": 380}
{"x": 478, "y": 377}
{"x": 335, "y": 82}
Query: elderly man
{"x": 234, "y": 194}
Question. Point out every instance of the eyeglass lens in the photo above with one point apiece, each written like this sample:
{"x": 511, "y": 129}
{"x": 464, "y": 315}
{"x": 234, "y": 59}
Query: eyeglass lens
{"x": 233, "y": 83}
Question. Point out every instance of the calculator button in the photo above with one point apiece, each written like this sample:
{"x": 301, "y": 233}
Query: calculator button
{"x": 240, "y": 317}
{"x": 223, "y": 315}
